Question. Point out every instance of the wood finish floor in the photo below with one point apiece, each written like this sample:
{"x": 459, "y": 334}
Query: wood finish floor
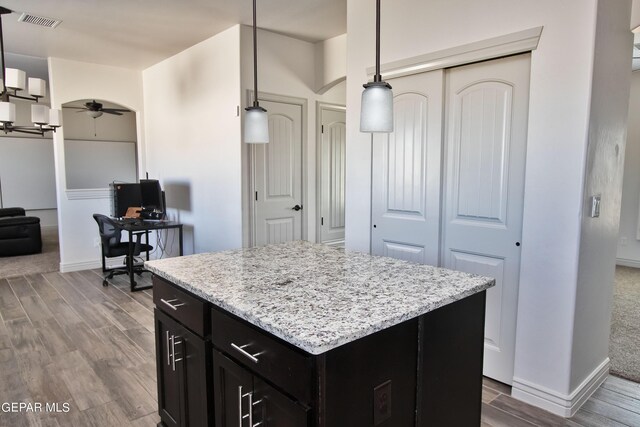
{"x": 64, "y": 338}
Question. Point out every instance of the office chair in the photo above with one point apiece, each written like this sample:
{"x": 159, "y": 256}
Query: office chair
{"x": 110, "y": 235}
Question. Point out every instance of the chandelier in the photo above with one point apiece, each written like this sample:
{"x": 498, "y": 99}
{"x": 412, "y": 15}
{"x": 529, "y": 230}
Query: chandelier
{"x": 14, "y": 81}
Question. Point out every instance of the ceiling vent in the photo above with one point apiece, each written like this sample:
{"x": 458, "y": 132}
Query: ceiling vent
{"x": 39, "y": 20}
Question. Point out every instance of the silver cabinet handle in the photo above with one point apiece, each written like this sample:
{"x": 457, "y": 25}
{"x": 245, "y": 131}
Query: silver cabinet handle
{"x": 171, "y": 303}
{"x": 168, "y": 350}
{"x": 257, "y": 402}
{"x": 173, "y": 352}
{"x": 240, "y": 405}
{"x": 241, "y": 350}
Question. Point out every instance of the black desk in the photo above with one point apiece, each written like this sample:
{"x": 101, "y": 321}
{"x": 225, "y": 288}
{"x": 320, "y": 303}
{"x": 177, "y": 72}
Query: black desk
{"x": 145, "y": 226}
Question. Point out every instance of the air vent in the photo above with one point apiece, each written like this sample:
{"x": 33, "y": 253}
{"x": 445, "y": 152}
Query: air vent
{"x": 39, "y": 20}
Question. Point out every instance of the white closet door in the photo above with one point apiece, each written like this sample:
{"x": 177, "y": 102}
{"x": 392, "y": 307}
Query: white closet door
{"x": 277, "y": 176}
{"x": 332, "y": 175}
{"x": 406, "y": 173}
{"x": 487, "y": 110}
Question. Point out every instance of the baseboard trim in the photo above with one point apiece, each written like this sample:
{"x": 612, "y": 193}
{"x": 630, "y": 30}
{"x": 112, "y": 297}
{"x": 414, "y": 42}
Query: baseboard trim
{"x": 77, "y": 266}
{"x": 627, "y": 262}
{"x": 557, "y": 403}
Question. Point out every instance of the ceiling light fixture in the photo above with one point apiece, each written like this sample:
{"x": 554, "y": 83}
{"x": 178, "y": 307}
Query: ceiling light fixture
{"x": 376, "y": 107}
{"x": 13, "y": 80}
{"x": 256, "y": 121}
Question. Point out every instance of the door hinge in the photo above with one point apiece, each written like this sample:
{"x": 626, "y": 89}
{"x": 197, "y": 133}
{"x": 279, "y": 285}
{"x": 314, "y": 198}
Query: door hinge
{"x": 322, "y": 220}
{"x": 322, "y": 129}
{"x": 237, "y": 111}
{"x": 256, "y": 196}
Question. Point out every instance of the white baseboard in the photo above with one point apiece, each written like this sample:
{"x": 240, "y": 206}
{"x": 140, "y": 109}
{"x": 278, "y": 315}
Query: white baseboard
{"x": 627, "y": 262}
{"x": 77, "y": 266}
{"x": 557, "y": 403}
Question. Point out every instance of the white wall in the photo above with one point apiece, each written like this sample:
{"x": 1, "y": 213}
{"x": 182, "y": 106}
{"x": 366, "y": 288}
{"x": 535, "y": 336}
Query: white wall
{"x": 635, "y": 14}
{"x": 561, "y": 73}
{"x": 331, "y": 62}
{"x": 287, "y": 66}
{"x": 70, "y": 81}
{"x": 27, "y": 176}
{"x": 193, "y": 139}
{"x": 605, "y": 163}
{"x": 628, "y": 243}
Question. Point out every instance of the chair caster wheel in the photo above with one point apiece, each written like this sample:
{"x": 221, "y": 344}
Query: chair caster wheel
{"x": 105, "y": 283}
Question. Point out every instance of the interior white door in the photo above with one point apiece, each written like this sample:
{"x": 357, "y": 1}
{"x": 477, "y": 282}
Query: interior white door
{"x": 486, "y": 116}
{"x": 277, "y": 177}
{"x": 332, "y": 175}
{"x": 406, "y": 173}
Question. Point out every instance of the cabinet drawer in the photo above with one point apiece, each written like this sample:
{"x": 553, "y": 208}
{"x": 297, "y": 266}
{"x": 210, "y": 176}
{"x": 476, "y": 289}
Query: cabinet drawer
{"x": 185, "y": 308}
{"x": 291, "y": 369}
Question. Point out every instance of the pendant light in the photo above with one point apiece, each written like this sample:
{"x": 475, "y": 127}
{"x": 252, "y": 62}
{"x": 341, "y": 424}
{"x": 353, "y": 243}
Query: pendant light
{"x": 376, "y": 109}
{"x": 256, "y": 121}
{"x": 13, "y": 82}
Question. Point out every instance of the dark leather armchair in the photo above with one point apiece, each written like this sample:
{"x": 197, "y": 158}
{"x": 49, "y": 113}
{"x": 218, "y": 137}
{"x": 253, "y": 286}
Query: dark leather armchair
{"x": 19, "y": 234}
{"x": 112, "y": 246}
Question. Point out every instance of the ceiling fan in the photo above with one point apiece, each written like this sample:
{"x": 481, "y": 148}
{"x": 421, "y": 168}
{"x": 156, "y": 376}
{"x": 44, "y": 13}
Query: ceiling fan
{"x": 95, "y": 109}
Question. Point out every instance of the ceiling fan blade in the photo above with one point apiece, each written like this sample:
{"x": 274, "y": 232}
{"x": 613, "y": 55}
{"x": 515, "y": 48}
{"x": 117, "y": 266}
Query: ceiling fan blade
{"x": 116, "y": 110}
{"x": 108, "y": 111}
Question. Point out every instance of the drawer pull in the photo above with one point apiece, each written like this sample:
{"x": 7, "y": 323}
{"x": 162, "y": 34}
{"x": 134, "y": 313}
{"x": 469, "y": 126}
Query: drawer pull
{"x": 241, "y": 350}
{"x": 171, "y": 303}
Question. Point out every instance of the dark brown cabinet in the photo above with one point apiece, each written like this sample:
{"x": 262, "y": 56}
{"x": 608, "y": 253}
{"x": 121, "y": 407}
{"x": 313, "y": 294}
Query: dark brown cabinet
{"x": 217, "y": 369}
{"x": 182, "y": 360}
{"x": 242, "y": 399}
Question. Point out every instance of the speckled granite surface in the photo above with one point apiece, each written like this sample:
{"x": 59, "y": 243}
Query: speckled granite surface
{"x": 314, "y": 296}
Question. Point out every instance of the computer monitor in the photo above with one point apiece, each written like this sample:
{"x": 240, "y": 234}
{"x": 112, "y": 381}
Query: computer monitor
{"x": 123, "y": 196}
{"x": 151, "y": 195}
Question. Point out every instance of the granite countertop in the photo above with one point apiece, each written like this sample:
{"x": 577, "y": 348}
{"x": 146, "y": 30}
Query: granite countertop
{"x": 314, "y": 296}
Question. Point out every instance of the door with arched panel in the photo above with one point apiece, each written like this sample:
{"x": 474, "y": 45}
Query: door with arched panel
{"x": 406, "y": 173}
{"x": 277, "y": 177}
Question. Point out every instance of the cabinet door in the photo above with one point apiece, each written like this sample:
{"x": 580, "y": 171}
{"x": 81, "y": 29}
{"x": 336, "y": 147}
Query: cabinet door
{"x": 170, "y": 401}
{"x": 273, "y": 409}
{"x": 192, "y": 357}
{"x": 232, "y": 391}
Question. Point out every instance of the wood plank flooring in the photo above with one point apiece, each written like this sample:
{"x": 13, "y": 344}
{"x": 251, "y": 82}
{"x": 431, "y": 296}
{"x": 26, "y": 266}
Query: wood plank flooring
{"x": 64, "y": 338}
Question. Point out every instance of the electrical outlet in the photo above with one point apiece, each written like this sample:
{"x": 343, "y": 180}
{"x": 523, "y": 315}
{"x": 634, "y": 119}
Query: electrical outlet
{"x": 382, "y": 403}
{"x": 623, "y": 241}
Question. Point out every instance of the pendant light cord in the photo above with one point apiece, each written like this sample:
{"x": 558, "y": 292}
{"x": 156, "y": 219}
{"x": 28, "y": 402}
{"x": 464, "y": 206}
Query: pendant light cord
{"x": 255, "y": 58}
{"x": 377, "y": 77}
{"x": 3, "y": 89}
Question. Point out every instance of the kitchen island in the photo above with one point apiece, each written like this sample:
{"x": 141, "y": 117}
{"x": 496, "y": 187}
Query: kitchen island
{"x": 300, "y": 334}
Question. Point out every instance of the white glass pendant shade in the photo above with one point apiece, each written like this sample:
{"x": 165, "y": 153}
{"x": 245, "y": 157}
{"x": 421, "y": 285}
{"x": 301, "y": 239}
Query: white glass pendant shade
{"x": 39, "y": 114}
{"x": 7, "y": 112}
{"x": 16, "y": 79}
{"x": 376, "y": 113}
{"x": 55, "y": 118}
{"x": 256, "y": 126}
{"x": 37, "y": 87}
{"x": 94, "y": 114}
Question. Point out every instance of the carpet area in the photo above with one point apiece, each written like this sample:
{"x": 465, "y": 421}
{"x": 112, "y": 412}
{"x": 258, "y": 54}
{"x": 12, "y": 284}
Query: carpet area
{"x": 45, "y": 262}
{"x": 624, "y": 347}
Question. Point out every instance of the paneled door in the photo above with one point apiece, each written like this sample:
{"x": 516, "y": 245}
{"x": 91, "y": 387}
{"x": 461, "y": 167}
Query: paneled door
{"x": 277, "y": 177}
{"x": 406, "y": 173}
{"x": 332, "y": 174}
{"x": 486, "y": 116}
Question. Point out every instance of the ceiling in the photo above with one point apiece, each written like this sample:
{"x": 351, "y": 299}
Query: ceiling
{"x": 139, "y": 33}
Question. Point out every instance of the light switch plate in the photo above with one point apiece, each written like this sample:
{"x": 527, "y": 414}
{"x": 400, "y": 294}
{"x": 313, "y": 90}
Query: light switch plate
{"x": 595, "y": 206}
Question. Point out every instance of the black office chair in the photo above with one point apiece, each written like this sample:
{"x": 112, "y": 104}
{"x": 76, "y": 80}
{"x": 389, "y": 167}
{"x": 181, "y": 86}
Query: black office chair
{"x": 110, "y": 235}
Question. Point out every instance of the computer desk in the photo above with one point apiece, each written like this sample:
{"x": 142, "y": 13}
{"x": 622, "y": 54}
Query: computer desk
{"x": 145, "y": 226}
